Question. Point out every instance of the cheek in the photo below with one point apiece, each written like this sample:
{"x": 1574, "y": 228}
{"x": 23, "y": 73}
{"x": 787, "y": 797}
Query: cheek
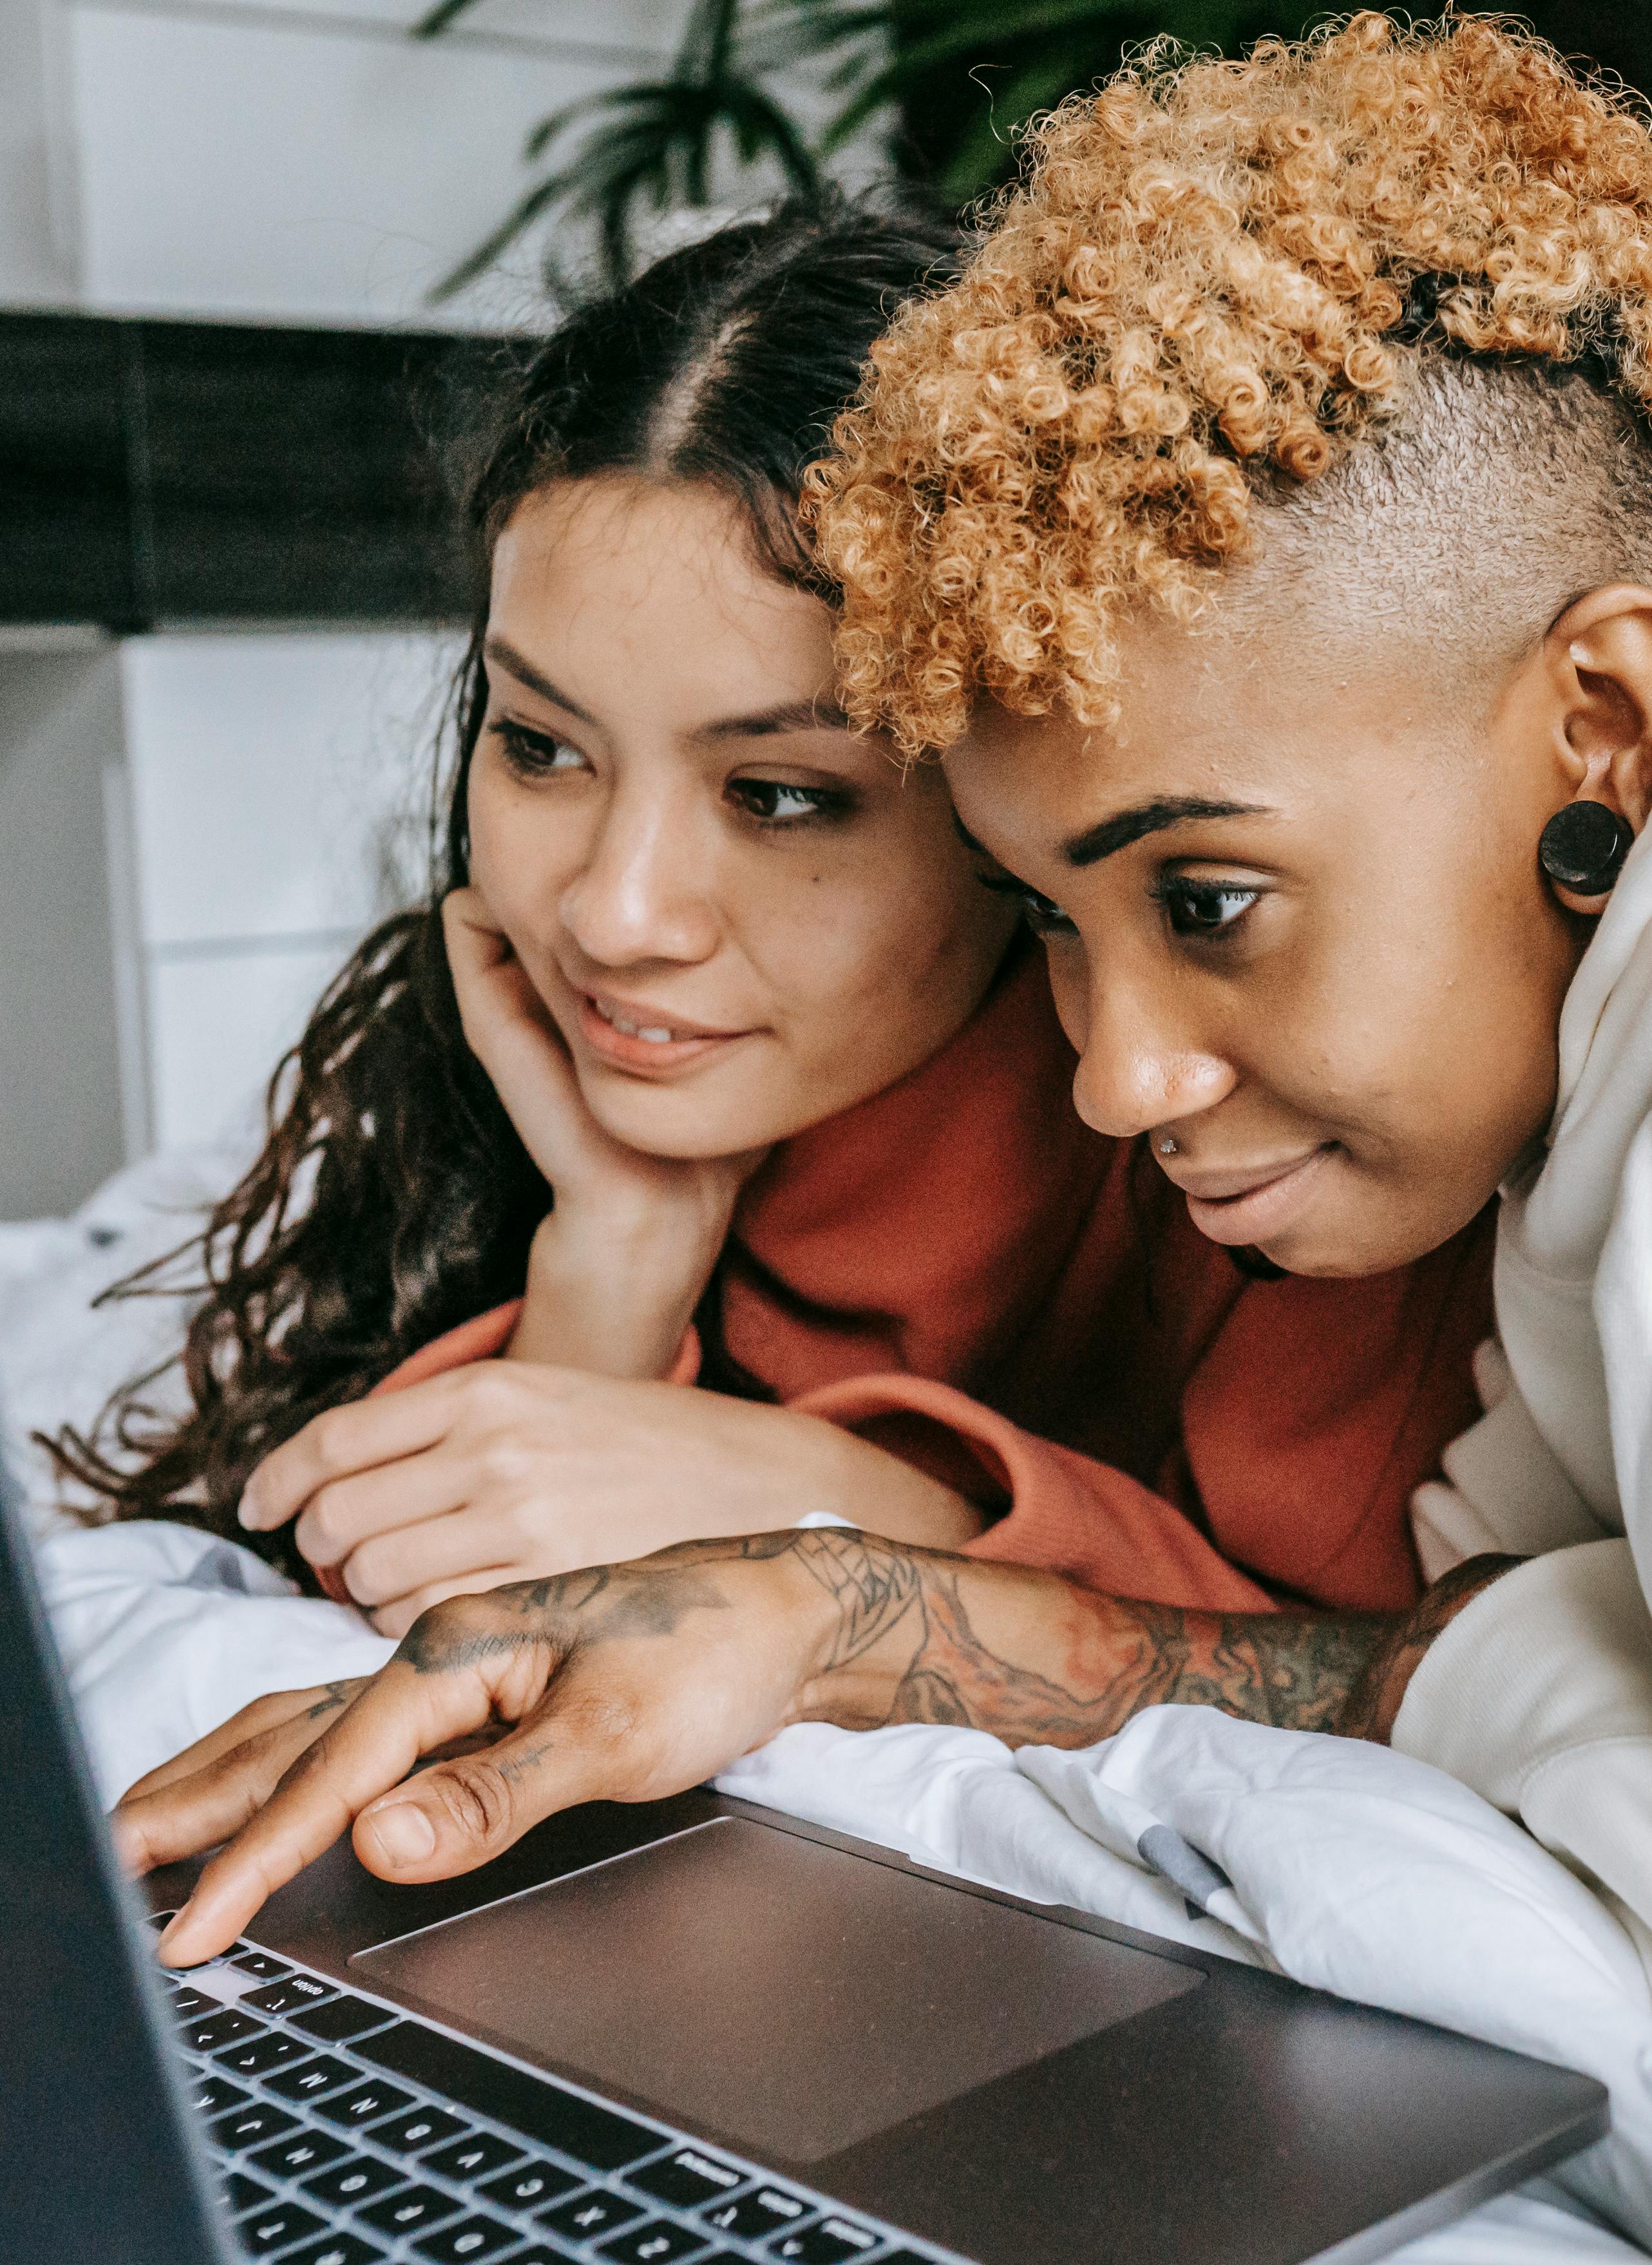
{"x": 519, "y": 861}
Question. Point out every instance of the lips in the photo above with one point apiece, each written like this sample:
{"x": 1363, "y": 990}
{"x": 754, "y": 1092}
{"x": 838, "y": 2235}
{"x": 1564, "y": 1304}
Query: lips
{"x": 1251, "y": 1203}
{"x": 634, "y": 1036}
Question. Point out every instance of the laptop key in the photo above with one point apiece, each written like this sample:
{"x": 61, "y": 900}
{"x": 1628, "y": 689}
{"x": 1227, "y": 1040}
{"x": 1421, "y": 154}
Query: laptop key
{"x": 248, "y": 2127}
{"x": 341, "y": 2018}
{"x": 356, "y": 2180}
{"x": 829, "y": 2243}
{"x": 470, "y": 2237}
{"x": 299, "y": 2154}
{"x": 223, "y": 2028}
{"x": 533, "y": 2105}
{"x": 287, "y": 1995}
{"x": 588, "y": 2215}
{"x": 526, "y": 2187}
{"x": 188, "y": 2005}
{"x": 688, "y": 2177}
{"x": 242, "y": 2194}
{"x": 212, "y": 2094}
{"x": 307, "y": 2080}
{"x": 474, "y": 2157}
{"x": 769, "y": 2211}
{"x": 656, "y": 2241}
{"x": 410, "y": 2210}
{"x": 421, "y": 2127}
{"x": 258, "y": 2056}
{"x": 277, "y": 2229}
{"x": 365, "y": 2104}
{"x": 259, "y": 1962}
{"x": 337, "y": 2249}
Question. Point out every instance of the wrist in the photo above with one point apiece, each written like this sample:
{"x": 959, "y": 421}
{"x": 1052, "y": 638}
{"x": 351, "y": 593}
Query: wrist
{"x": 857, "y": 1619}
{"x": 1374, "y": 1703}
{"x": 611, "y": 1298}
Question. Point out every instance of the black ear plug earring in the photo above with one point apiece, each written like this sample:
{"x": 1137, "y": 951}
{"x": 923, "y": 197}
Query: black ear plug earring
{"x": 1583, "y": 846}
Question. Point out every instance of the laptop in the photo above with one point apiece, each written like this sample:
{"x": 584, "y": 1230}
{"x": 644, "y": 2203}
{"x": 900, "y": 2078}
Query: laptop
{"x": 691, "y": 2030}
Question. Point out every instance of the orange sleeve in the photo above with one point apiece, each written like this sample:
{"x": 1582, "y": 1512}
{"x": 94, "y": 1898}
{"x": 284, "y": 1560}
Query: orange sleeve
{"x": 1066, "y": 1514}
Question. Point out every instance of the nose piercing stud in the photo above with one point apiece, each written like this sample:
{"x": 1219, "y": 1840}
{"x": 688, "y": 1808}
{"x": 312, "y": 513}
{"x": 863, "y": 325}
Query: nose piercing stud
{"x": 1169, "y": 1146}
{"x": 1583, "y": 846}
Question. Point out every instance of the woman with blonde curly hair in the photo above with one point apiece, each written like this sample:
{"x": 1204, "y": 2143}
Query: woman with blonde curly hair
{"x": 1262, "y": 527}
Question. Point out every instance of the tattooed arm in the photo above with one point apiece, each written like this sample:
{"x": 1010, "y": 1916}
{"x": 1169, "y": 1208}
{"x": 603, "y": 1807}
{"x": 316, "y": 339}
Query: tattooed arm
{"x": 632, "y": 1681}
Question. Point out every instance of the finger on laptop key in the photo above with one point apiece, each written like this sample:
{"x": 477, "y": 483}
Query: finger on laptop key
{"x": 188, "y": 1811}
{"x": 370, "y": 1747}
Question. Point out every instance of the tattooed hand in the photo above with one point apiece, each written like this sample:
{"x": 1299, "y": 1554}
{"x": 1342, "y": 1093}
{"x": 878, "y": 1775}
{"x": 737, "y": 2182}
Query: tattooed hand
{"x": 629, "y": 1682}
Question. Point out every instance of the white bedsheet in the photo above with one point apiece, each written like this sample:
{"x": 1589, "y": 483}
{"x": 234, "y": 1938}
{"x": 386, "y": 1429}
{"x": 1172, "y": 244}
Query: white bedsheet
{"x": 1346, "y": 1866}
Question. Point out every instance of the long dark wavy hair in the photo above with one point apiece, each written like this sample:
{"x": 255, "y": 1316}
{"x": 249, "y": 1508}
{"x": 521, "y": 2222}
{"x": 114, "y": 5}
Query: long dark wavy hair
{"x": 394, "y": 1198}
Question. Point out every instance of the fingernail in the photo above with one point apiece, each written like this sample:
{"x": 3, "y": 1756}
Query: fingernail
{"x": 247, "y": 1515}
{"x": 177, "y": 1920}
{"x": 404, "y": 1832}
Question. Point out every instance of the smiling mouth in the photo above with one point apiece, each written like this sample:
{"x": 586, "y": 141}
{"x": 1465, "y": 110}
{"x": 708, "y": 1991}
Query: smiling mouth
{"x": 639, "y": 1037}
{"x": 1242, "y": 1207}
{"x": 652, "y": 1034}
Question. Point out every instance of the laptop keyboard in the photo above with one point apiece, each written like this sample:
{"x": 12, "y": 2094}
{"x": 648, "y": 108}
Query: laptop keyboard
{"x": 343, "y": 2133}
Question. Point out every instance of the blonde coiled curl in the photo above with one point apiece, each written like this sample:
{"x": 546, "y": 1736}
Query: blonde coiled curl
{"x": 1201, "y": 285}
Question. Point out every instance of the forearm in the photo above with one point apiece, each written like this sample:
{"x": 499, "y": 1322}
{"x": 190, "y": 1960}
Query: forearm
{"x": 916, "y": 1637}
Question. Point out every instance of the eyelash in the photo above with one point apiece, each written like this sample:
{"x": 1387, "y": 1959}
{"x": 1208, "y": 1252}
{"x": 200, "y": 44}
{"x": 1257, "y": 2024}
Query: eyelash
{"x": 530, "y": 754}
{"x": 827, "y": 805}
{"x": 1194, "y": 899}
{"x": 533, "y": 755}
{"x": 1043, "y": 915}
{"x": 1176, "y": 894}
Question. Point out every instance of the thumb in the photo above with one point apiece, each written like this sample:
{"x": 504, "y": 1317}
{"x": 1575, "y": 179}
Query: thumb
{"x": 458, "y": 1814}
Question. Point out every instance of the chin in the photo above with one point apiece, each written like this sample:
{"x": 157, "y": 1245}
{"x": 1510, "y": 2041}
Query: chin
{"x": 657, "y": 1121}
{"x": 1329, "y": 1255}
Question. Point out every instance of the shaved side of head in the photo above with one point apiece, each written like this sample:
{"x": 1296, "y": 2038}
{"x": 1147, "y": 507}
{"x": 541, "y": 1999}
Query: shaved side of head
{"x": 1457, "y": 530}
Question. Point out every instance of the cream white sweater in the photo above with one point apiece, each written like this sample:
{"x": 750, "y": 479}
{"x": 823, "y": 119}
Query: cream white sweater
{"x": 1539, "y": 1695}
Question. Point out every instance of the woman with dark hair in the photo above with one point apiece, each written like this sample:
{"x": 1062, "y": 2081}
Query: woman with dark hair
{"x": 711, "y": 1057}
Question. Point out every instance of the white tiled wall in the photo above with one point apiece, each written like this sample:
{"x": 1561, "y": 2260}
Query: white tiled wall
{"x": 277, "y": 790}
{"x": 258, "y": 166}
{"x": 287, "y": 160}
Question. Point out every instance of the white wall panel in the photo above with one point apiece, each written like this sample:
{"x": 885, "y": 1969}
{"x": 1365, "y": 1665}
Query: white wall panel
{"x": 261, "y": 169}
{"x": 218, "y": 1026}
{"x": 648, "y": 26}
{"x": 271, "y": 775}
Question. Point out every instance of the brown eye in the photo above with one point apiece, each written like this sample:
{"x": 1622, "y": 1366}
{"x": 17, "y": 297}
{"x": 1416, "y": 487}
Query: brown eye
{"x": 1204, "y": 908}
{"x": 534, "y": 754}
{"x": 778, "y": 802}
{"x": 1043, "y": 915}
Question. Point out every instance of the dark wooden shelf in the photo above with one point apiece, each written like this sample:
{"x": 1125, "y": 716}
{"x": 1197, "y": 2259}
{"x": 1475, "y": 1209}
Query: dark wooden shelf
{"x": 155, "y": 473}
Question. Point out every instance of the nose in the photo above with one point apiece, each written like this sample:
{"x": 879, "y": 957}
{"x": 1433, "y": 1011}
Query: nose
{"x": 643, "y": 891}
{"x": 1142, "y": 1065}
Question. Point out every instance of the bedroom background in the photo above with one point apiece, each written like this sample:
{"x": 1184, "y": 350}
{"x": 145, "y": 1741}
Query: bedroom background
{"x": 245, "y": 248}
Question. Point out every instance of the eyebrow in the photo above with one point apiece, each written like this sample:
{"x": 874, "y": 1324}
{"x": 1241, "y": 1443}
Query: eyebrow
{"x": 1117, "y": 833}
{"x": 763, "y": 723}
{"x": 504, "y": 655}
{"x": 785, "y": 716}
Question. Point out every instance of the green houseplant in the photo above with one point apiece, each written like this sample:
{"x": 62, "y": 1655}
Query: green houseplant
{"x": 952, "y": 82}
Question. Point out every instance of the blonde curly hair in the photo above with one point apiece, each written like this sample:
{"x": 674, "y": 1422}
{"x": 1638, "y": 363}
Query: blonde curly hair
{"x": 1214, "y": 282}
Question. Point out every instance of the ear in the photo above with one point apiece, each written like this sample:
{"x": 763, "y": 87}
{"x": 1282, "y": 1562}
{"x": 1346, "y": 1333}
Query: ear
{"x": 1599, "y": 658}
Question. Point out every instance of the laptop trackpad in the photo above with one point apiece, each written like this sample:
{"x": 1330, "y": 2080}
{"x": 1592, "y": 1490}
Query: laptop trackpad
{"x": 792, "y": 1998}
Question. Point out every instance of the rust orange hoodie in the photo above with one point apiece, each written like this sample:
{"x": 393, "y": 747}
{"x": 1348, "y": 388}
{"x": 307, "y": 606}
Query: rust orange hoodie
{"x": 960, "y": 1270}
